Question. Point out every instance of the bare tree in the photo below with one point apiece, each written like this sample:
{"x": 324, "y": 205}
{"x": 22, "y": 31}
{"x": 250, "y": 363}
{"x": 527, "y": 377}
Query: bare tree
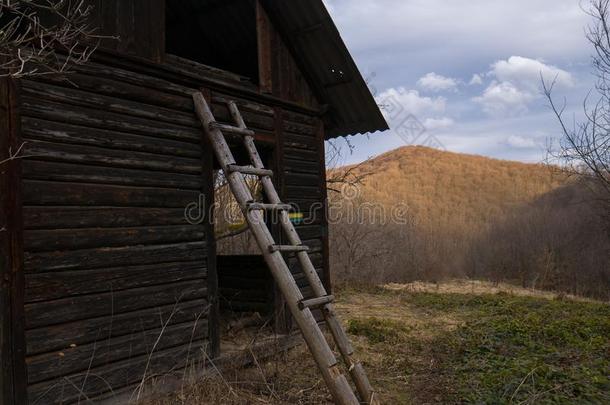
{"x": 585, "y": 147}
{"x": 39, "y": 37}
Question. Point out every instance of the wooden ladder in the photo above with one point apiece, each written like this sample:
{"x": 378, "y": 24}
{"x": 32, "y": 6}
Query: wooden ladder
{"x": 299, "y": 307}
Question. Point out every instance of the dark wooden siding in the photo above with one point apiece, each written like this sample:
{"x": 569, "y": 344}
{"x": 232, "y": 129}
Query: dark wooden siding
{"x": 111, "y": 262}
{"x": 304, "y": 185}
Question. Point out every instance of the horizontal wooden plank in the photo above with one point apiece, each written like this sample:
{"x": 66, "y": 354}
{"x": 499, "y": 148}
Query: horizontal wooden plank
{"x": 308, "y": 119}
{"x": 89, "y": 155}
{"x": 71, "y": 239}
{"x": 294, "y": 193}
{"x": 79, "y": 194}
{"x": 297, "y": 141}
{"x": 298, "y": 128}
{"x": 106, "y": 304}
{"x": 77, "y": 359}
{"x": 62, "y": 132}
{"x": 59, "y": 337}
{"x": 302, "y": 155}
{"x": 96, "y": 118}
{"x": 302, "y": 179}
{"x": 113, "y": 257}
{"x": 100, "y": 217}
{"x": 125, "y": 90}
{"x": 56, "y": 285}
{"x": 127, "y": 372}
{"x": 254, "y": 121}
{"x": 75, "y": 97}
{"x": 80, "y": 173}
{"x": 302, "y": 166}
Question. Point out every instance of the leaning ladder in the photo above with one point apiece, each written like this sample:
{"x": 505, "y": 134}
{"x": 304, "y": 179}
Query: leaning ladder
{"x": 254, "y": 213}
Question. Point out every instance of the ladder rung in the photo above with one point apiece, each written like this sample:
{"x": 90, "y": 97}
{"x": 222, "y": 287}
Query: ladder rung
{"x": 231, "y": 129}
{"x": 316, "y": 302}
{"x": 250, "y": 170}
{"x": 268, "y": 207}
{"x": 288, "y": 248}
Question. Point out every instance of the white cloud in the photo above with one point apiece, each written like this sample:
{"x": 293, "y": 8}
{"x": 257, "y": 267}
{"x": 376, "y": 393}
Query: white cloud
{"x": 520, "y": 142}
{"x": 503, "y": 99}
{"x": 432, "y": 124}
{"x": 436, "y": 82}
{"x": 397, "y": 102}
{"x": 477, "y": 79}
{"x": 526, "y": 73}
{"x": 517, "y": 83}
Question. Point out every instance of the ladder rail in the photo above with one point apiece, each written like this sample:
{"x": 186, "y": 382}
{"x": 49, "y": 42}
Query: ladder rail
{"x": 312, "y": 334}
{"x": 334, "y": 324}
{"x": 300, "y": 308}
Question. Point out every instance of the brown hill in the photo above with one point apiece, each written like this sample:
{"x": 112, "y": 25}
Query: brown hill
{"x": 449, "y": 189}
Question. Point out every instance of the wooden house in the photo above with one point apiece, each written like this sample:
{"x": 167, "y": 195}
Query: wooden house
{"x": 104, "y": 281}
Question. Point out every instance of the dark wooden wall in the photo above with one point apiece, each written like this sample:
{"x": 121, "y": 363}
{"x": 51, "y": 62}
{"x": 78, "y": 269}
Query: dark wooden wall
{"x": 12, "y": 342}
{"x": 111, "y": 263}
{"x": 137, "y": 27}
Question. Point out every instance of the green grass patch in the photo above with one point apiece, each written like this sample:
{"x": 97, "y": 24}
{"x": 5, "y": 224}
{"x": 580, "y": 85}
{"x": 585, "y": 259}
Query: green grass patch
{"x": 507, "y": 349}
{"x": 378, "y": 330}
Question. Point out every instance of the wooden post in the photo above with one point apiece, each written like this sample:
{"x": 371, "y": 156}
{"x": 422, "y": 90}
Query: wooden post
{"x": 265, "y": 49}
{"x": 213, "y": 293}
{"x": 13, "y": 381}
{"x": 326, "y": 278}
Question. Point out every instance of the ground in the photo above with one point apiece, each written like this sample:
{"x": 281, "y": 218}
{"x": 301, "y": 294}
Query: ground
{"x": 461, "y": 342}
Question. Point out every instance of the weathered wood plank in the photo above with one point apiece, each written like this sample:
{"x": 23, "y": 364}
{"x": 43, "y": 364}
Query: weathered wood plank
{"x": 301, "y": 166}
{"x": 302, "y": 179}
{"x": 60, "y": 337}
{"x": 78, "y": 194}
{"x": 56, "y": 285}
{"x": 113, "y": 257}
{"x": 74, "y": 97}
{"x": 77, "y": 359}
{"x": 106, "y": 120}
{"x": 109, "y": 157}
{"x": 106, "y": 304}
{"x": 61, "y": 132}
{"x": 79, "y": 173}
{"x": 100, "y": 217}
{"x": 124, "y": 90}
{"x": 116, "y": 375}
{"x": 71, "y": 239}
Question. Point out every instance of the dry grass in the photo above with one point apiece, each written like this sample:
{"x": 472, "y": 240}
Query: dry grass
{"x": 409, "y": 337}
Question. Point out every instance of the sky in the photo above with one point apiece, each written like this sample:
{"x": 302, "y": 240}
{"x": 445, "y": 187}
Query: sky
{"x": 465, "y": 75}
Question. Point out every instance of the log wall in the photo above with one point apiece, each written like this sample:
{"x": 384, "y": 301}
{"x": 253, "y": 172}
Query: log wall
{"x": 114, "y": 155}
{"x": 116, "y": 279}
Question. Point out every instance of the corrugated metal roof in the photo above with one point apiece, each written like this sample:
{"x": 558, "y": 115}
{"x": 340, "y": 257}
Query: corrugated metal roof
{"x": 318, "y": 48}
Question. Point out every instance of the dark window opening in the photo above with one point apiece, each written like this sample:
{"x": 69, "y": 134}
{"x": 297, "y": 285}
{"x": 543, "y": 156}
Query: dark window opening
{"x": 217, "y": 33}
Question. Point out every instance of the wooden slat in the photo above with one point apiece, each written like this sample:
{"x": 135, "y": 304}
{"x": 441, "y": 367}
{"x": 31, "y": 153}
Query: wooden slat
{"x": 100, "y": 217}
{"x": 106, "y": 304}
{"x": 78, "y": 194}
{"x": 79, "y": 173}
{"x": 115, "y": 375}
{"x": 76, "y": 359}
{"x": 62, "y": 132}
{"x": 105, "y": 120}
{"x": 56, "y": 285}
{"x": 123, "y": 90}
{"x": 71, "y": 239}
{"x": 89, "y": 155}
{"x": 71, "y": 96}
{"x": 59, "y": 337}
{"x": 113, "y": 257}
